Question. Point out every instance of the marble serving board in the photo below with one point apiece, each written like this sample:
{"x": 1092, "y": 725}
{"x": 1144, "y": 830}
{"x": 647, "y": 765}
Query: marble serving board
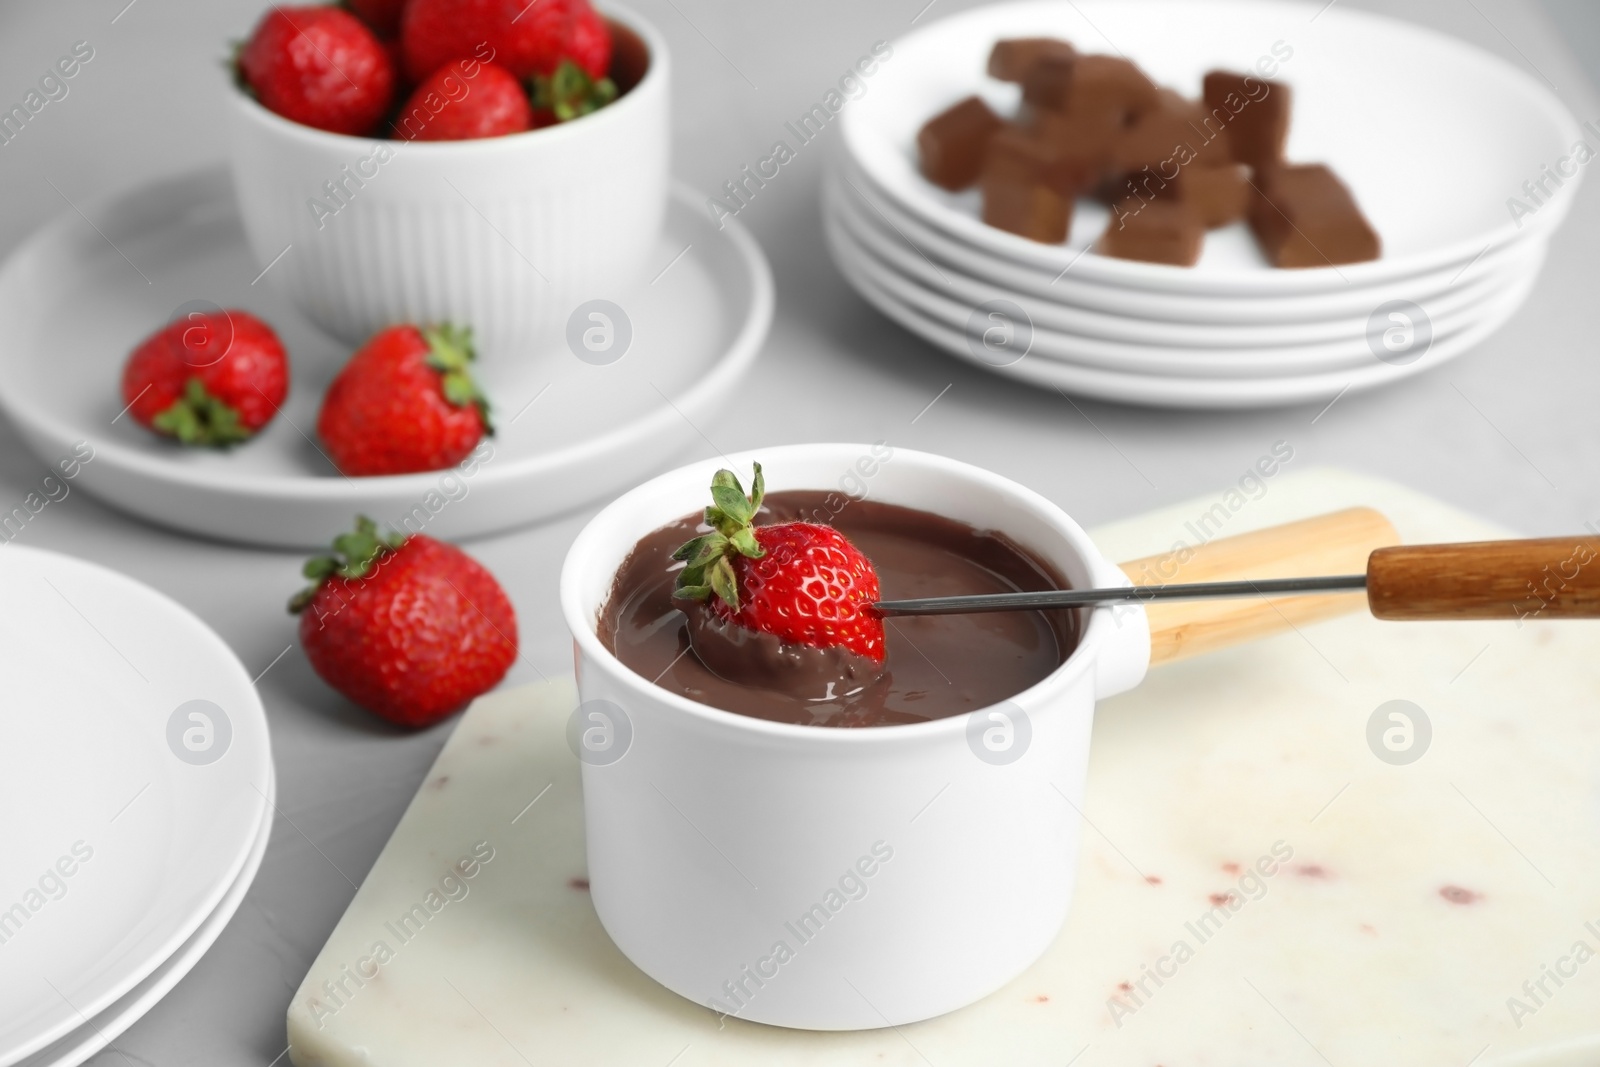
{"x": 1442, "y": 911}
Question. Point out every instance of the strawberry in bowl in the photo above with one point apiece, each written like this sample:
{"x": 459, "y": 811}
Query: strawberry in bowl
{"x": 405, "y": 402}
{"x": 319, "y": 66}
{"x": 780, "y": 598}
{"x": 208, "y": 379}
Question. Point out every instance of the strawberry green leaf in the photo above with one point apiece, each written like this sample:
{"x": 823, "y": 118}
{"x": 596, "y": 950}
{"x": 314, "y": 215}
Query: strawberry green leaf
{"x": 745, "y": 541}
{"x": 708, "y": 559}
{"x": 451, "y": 353}
{"x": 198, "y": 418}
{"x": 758, "y": 489}
{"x": 355, "y": 554}
{"x": 569, "y": 92}
{"x": 733, "y": 503}
{"x": 723, "y": 582}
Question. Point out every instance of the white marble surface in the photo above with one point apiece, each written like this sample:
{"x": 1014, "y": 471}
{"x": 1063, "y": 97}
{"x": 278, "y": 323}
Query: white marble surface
{"x": 1509, "y": 432}
{"x": 1251, "y": 758}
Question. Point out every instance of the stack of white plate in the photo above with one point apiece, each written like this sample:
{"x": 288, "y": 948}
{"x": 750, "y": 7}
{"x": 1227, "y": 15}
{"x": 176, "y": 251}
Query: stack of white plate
{"x": 137, "y": 785}
{"x": 1463, "y": 164}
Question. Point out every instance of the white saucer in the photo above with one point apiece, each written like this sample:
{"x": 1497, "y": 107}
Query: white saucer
{"x": 1380, "y": 100}
{"x": 95, "y": 1034}
{"x": 1181, "y": 392}
{"x": 128, "y": 818}
{"x": 569, "y": 431}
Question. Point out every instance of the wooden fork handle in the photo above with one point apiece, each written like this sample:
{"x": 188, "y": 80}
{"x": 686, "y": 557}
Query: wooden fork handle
{"x": 1555, "y": 577}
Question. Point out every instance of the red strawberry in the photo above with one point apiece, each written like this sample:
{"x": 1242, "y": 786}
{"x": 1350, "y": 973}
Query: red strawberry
{"x": 319, "y": 66}
{"x": 799, "y": 581}
{"x": 405, "y": 402}
{"x": 408, "y": 627}
{"x": 382, "y": 15}
{"x": 527, "y": 37}
{"x": 207, "y": 379}
{"x": 589, "y": 42}
{"x": 462, "y": 100}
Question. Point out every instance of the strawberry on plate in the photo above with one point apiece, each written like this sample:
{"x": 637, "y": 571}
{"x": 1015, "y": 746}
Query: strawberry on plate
{"x": 801, "y": 582}
{"x": 405, "y": 402}
{"x": 407, "y": 627}
{"x": 212, "y": 378}
{"x": 463, "y": 100}
{"x": 526, "y": 38}
{"x": 320, "y": 66}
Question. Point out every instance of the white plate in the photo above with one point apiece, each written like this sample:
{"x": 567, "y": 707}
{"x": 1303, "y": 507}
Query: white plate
{"x": 568, "y": 431}
{"x": 1353, "y": 352}
{"x": 951, "y": 296}
{"x": 1189, "y": 393}
{"x": 1067, "y": 287}
{"x": 104, "y": 1028}
{"x": 100, "y": 673}
{"x": 1379, "y": 100}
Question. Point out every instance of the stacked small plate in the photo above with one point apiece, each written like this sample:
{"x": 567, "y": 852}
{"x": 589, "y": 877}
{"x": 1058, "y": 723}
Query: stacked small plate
{"x": 136, "y": 777}
{"x": 1463, "y": 164}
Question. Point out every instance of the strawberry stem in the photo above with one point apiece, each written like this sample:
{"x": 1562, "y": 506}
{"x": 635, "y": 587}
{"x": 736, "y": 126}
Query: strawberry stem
{"x": 355, "y": 554}
{"x": 708, "y": 558}
{"x": 198, "y": 418}
{"x": 569, "y": 92}
{"x": 451, "y": 354}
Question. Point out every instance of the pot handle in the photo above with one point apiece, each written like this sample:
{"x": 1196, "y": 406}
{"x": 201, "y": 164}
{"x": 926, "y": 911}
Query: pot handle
{"x": 1336, "y": 543}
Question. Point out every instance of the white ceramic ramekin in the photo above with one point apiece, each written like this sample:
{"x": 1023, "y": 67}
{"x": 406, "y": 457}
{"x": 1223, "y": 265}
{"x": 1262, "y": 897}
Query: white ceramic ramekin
{"x": 904, "y": 874}
{"x": 505, "y": 234}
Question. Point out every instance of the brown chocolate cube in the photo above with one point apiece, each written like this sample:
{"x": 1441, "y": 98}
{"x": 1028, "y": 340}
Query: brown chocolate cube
{"x": 1088, "y": 138}
{"x": 1106, "y": 86}
{"x": 1048, "y": 83}
{"x": 1011, "y": 60}
{"x": 1149, "y": 156}
{"x": 1217, "y": 195}
{"x": 1029, "y": 185}
{"x": 953, "y": 143}
{"x": 1021, "y": 153}
{"x": 1256, "y": 112}
{"x": 1154, "y": 231}
{"x": 1303, "y": 216}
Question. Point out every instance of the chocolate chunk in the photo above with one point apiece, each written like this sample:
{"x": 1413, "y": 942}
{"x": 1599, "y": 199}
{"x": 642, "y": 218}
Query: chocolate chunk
{"x": 1011, "y": 60}
{"x": 1256, "y": 112}
{"x": 1020, "y": 152}
{"x": 1150, "y": 155}
{"x": 1303, "y": 216}
{"x": 952, "y": 144}
{"x": 1155, "y": 231}
{"x": 1217, "y": 195}
{"x": 1088, "y": 139}
{"x": 1029, "y": 184}
{"x": 1107, "y": 86}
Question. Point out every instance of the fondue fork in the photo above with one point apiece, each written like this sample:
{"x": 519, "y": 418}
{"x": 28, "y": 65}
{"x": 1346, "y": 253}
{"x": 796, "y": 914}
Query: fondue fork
{"x": 1555, "y": 577}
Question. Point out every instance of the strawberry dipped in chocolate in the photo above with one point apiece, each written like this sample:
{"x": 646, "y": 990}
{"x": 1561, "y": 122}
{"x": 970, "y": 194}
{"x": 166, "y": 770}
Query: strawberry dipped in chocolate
{"x": 779, "y": 604}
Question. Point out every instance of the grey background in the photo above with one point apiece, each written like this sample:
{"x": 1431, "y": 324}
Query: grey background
{"x": 1509, "y": 431}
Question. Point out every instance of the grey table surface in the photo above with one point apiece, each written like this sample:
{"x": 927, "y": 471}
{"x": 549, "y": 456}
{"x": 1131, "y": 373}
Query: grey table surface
{"x": 1508, "y": 432}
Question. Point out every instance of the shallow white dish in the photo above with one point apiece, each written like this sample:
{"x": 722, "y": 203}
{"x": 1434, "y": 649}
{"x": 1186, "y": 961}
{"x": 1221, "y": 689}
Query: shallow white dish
{"x": 969, "y": 282}
{"x": 128, "y": 820}
{"x": 1193, "y": 393}
{"x": 569, "y": 430}
{"x": 934, "y": 299}
{"x": 98, "y": 1032}
{"x": 1497, "y": 126}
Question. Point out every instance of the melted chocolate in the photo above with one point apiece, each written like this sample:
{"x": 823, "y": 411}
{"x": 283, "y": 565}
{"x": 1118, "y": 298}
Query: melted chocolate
{"x": 936, "y": 666}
